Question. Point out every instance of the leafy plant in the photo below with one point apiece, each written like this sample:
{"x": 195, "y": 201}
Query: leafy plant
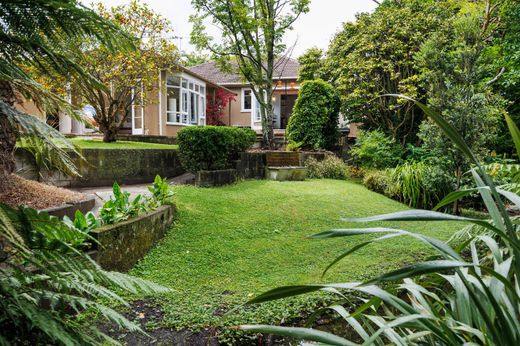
{"x": 378, "y": 181}
{"x": 212, "y": 147}
{"x": 474, "y": 302}
{"x": 373, "y": 149}
{"x": 162, "y": 192}
{"x": 45, "y": 281}
{"x": 83, "y": 223}
{"x": 314, "y": 121}
{"x": 332, "y": 167}
{"x": 120, "y": 208}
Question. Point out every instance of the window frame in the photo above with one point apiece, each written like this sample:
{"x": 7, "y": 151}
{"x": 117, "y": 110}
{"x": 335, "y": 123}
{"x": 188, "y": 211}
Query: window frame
{"x": 187, "y": 92}
{"x": 243, "y": 98}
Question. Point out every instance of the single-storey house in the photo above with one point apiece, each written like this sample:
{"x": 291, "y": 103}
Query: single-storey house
{"x": 245, "y": 110}
{"x": 181, "y": 101}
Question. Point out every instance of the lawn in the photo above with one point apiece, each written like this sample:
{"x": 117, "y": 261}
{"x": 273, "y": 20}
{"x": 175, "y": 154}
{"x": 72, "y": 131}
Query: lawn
{"x": 231, "y": 243}
{"x": 99, "y": 144}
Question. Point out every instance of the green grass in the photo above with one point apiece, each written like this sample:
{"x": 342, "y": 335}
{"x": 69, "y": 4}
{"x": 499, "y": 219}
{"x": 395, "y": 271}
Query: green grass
{"x": 231, "y": 243}
{"x": 99, "y": 144}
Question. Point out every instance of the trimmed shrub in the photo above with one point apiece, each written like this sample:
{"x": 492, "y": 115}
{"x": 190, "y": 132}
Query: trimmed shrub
{"x": 376, "y": 150}
{"x": 314, "y": 122}
{"x": 212, "y": 147}
{"x": 378, "y": 181}
{"x": 332, "y": 167}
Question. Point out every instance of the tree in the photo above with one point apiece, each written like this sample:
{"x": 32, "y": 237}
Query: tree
{"x": 375, "y": 56}
{"x": 195, "y": 58}
{"x": 35, "y": 34}
{"x": 216, "y": 104}
{"x": 314, "y": 122}
{"x": 456, "y": 71}
{"x": 310, "y": 64}
{"x": 131, "y": 76}
{"x": 252, "y": 32}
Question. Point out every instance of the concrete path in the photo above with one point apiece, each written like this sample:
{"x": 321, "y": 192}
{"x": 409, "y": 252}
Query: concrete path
{"x": 103, "y": 193}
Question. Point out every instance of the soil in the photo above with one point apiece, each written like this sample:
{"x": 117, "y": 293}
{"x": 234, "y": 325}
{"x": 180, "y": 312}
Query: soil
{"x": 20, "y": 191}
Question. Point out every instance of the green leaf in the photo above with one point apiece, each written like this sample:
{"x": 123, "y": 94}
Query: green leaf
{"x": 515, "y": 133}
{"x": 418, "y": 269}
{"x": 454, "y": 196}
{"x": 300, "y": 333}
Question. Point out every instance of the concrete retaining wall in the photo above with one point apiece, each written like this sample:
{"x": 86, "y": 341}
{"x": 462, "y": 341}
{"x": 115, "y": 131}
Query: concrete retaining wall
{"x": 120, "y": 246}
{"x": 69, "y": 209}
{"x": 148, "y": 139}
{"x": 104, "y": 166}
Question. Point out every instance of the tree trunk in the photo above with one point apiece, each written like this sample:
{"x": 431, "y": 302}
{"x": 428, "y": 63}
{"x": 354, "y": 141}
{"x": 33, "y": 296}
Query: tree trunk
{"x": 110, "y": 135}
{"x": 7, "y": 133}
{"x": 456, "y": 205}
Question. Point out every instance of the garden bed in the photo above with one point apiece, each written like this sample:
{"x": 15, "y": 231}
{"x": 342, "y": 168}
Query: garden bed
{"x": 121, "y": 245}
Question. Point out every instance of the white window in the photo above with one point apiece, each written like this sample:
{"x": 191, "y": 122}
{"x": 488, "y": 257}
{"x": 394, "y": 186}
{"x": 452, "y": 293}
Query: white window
{"x": 185, "y": 101}
{"x": 247, "y": 100}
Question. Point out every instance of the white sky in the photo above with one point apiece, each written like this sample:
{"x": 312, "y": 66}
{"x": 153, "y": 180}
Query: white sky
{"x": 315, "y": 28}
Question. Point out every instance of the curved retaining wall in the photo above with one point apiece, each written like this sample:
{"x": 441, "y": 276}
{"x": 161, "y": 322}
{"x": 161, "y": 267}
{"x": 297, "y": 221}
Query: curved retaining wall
{"x": 121, "y": 245}
{"x": 104, "y": 166}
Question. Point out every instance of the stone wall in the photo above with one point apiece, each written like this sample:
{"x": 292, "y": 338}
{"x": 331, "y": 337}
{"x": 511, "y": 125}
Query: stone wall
{"x": 104, "y": 166}
{"x": 147, "y": 139}
{"x": 120, "y": 246}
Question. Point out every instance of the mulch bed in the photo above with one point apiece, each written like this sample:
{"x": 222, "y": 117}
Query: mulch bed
{"x": 16, "y": 191}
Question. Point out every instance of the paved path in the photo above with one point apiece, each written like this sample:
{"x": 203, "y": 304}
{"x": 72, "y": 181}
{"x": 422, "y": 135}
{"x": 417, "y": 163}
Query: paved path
{"x": 103, "y": 193}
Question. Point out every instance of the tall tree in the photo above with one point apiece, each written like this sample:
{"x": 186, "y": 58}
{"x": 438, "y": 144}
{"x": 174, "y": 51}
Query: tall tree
{"x": 456, "y": 71}
{"x": 131, "y": 76}
{"x": 311, "y": 64}
{"x": 252, "y": 34}
{"x": 375, "y": 56}
{"x": 35, "y": 34}
{"x": 194, "y": 59}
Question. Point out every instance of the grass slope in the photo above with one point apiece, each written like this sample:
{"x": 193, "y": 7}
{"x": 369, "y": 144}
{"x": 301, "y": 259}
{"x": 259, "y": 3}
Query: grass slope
{"x": 99, "y": 144}
{"x": 232, "y": 243}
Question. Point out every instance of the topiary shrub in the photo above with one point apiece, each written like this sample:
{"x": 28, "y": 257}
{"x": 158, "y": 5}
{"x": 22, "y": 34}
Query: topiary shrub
{"x": 314, "y": 122}
{"x": 212, "y": 147}
{"x": 376, "y": 150}
{"x": 332, "y": 167}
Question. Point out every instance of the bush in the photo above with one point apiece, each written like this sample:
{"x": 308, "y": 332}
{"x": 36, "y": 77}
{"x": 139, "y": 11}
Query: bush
{"x": 332, "y": 167}
{"x": 314, "y": 122}
{"x": 212, "y": 147}
{"x": 378, "y": 181}
{"x": 376, "y": 150}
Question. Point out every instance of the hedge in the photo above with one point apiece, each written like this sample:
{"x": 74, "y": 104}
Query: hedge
{"x": 212, "y": 147}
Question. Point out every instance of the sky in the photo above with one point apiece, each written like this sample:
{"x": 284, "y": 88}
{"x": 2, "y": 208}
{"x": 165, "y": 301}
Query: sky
{"x": 316, "y": 28}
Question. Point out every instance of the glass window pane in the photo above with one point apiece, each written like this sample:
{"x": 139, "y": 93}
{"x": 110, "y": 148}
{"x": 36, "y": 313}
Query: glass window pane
{"x": 173, "y": 80}
{"x": 197, "y": 88}
{"x": 193, "y": 107}
{"x": 202, "y": 90}
{"x": 247, "y": 99}
{"x": 173, "y": 99}
{"x": 185, "y": 83}
{"x": 184, "y": 101}
{"x": 191, "y": 86}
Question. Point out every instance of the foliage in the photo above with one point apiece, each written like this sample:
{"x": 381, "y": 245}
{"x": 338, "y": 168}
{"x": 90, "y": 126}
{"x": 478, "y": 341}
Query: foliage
{"x": 35, "y": 35}
{"x": 331, "y": 167}
{"x": 226, "y": 238}
{"x": 216, "y": 104}
{"x": 464, "y": 300}
{"x": 379, "y": 181}
{"x": 45, "y": 281}
{"x": 212, "y": 147}
{"x": 376, "y": 150}
{"x": 375, "y": 56}
{"x": 419, "y": 185}
{"x": 194, "y": 59}
{"x": 251, "y": 33}
{"x": 454, "y": 70}
{"x": 310, "y": 64}
{"x": 46, "y": 158}
{"x": 162, "y": 192}
{"x": 82, "y": 223}
{"x": 120, "y": 208}
{"x": 132, "y": 76}
{"x": 314, "y": 121}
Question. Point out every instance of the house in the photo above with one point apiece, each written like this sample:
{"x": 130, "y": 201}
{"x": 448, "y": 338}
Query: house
{"x": 245, "y": 110}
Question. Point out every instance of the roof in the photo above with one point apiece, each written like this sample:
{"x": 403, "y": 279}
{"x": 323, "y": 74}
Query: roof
{"x": 208, "y": 81}
{"x": 285, "y": 68}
